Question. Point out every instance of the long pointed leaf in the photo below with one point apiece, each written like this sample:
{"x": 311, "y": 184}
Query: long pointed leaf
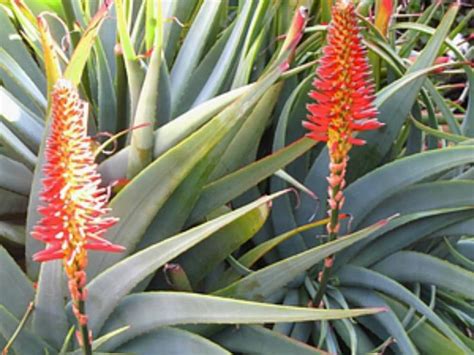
{"x": 418, "y": 267}
{"x": 360, "y": 277}
{"x": 138, "y": 311}
{"x": 125, "y": 275}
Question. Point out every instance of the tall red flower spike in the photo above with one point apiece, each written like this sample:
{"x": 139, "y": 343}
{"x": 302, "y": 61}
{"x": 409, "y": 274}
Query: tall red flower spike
{"x": 73, "y": 205}
{"x": 344, "y": 96}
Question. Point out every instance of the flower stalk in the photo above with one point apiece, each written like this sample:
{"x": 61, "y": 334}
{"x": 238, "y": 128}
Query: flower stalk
{"x": 344, "y": 95}
{"x": 74, "y": 213}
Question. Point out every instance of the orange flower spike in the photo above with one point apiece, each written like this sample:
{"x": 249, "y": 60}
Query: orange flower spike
{"x": 73, "y": 205}
{"x": 344, "y": 98}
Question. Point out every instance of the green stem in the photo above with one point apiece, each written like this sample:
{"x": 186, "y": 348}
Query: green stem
{"x": 21, "y": 325}
{"x": 83, "y": 329}
{"x": 329, "y": 261}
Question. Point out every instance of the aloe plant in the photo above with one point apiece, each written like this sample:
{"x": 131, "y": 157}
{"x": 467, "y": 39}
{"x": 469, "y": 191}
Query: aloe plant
{"x": 203, "y": 103}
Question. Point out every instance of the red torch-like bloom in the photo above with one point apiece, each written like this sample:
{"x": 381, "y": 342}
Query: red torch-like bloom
{"x": 73, "y": 205}
{"x": 344, "y": 98}
{"x": 344, "y": 105}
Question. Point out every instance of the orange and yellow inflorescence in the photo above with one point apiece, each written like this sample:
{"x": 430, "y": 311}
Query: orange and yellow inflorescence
{"x": 344, "y": 98}
{"x": 73, "y": 205}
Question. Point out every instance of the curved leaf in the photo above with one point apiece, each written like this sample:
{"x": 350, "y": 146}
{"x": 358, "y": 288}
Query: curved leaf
{"x": 17, "y": 290}
{"x": 25, "y": 342}
{"x": 388, "y": 320}
{"x": 260, "y": 340}
{"x": 140, "y": 312}
{"x": 14, "y": 176}
{"x": 192, "y": 49}
{"x": 406, "y": 235}
{"x": 12, "y": 233}
{"x": 230, "y": 186}
{"x": 172, "y": 133}
{"x": 367, "y": 191}
{"x": 21, "y": 120}
{"x": 394, "y": 111}
{"x": 425, "y": 336}
{"x": 361, "y": 277}
{"x": 81, "y": 53}
{"x": 420, "y": 197}
{"x": 201, "y": 259}
{"x": 263, "y": 283}
{"x": 49, "y": 304}
{"x": 418, "y": 267}
{"x": 172, "y": 341}
{"x": 126, "y": 274}
{"x": 143, "y": 197}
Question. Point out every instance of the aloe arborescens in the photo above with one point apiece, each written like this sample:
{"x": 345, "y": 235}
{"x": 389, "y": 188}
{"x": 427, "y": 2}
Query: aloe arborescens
{"x": 344, "y": 104}
{"x": 74, "y": 206}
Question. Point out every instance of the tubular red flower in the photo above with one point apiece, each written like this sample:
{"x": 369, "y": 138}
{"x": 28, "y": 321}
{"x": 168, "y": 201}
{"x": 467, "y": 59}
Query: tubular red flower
{"x": 74, "y": 212}
{"x": 343, "y": 91}
{"x": 344, "y": 98}
{"x": 74, "y": 206}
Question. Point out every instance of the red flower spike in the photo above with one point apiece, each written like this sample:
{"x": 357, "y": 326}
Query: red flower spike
{"x": 344, "y": 97}
{"x": 73, "y": 205}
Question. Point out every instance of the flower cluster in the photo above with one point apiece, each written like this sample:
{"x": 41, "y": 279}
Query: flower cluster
{"x": 73, "y": 205}
{"x": 344, "y": 98}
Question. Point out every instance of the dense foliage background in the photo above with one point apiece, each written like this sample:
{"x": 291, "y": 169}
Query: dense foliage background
{"x": 197, "y": 187}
